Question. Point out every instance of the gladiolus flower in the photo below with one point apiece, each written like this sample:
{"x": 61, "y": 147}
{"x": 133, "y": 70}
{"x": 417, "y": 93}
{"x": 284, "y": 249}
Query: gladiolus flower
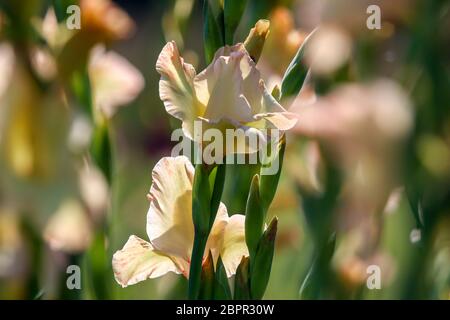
{"x": 228, "y": 94}
{"x": 171, "y": 230}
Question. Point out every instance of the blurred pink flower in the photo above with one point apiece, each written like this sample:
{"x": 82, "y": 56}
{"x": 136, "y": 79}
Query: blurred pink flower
{"x": 115, "y": 82}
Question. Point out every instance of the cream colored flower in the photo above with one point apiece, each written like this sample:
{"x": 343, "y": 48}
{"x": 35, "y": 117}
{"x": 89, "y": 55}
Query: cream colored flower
{"x": 115, "y": 82}
{"x": 171, "y": 230}
{"x": 228, "y": 94}
{"x": 69, "y": 229}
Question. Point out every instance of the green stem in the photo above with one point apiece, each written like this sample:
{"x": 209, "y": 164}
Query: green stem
{"x": 196, "y": 264}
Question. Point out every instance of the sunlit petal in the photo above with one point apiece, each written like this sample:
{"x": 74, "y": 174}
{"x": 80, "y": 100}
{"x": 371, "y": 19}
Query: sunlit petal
{"x": 169, "y": 219}
{"x": 233, "y": 246}
{"x": 137, "y": 262}
{"x": 215, "y": 238}
{"x": 176, "y": 86}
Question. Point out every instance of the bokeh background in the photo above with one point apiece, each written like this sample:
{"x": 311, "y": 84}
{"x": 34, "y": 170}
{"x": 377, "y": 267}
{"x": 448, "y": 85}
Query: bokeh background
{"x": 386, "y": 137}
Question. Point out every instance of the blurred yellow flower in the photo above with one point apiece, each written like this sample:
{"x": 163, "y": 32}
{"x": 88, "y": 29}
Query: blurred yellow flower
{"x": 33, "y": 126}
{"x": 106, "y": 18}
{"x": 228, "y": 94}
{"x": 171, "y": 230}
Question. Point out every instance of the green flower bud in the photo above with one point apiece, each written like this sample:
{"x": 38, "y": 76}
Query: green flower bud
{"x": 262, "y": 265}
{"x": 296, "y": 73}
{"x": 254, "y": 218}
{"x": 241, "y": 285}
{"x": 207, "y": 279}
{"x": 256, "y": 38}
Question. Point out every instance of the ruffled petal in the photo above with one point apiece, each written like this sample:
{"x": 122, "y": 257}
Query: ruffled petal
{"x": 137, "y": 261}
{"x": 219, "y": 86}
{"x": 176, "y": 88}
{"x": 169, "y": 219}
{"x": 273, "y": 114}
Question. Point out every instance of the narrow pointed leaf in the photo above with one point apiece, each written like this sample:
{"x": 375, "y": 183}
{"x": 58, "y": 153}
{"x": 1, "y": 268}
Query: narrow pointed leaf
{"x": 233, "y": 10}
{"x": 213, "y": 35}
{"x": 241, "y": 284}
{"x": 296, "y": 73}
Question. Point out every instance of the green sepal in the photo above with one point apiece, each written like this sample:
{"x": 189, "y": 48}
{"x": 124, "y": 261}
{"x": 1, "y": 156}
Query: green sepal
{"x": 207, "y": 279}
{"x": 241, "y": 280}
{"x": 261, "y": 266}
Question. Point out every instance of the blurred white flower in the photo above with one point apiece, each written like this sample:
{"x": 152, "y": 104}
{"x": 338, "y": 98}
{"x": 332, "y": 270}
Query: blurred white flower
{"x": 80, "y": 133}
{"x": 328, "y": 49}
{"x": 171, "y": 230}
{"x": 362, "y": 128}
{"x": 69, "y": 228}
{"x": 43, "y": 63}
{"x": 115, "y": 82}
{"x": 94, "y": 190}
